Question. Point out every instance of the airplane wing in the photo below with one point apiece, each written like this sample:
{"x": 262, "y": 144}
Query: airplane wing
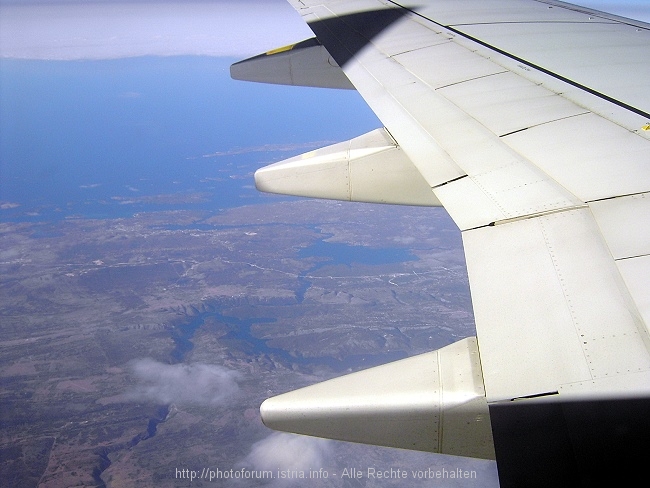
{"x": 529, "y": 121}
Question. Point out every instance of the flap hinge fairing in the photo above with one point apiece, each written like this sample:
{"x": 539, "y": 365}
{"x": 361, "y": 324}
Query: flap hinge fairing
{"x": 432, "y": 402}
{"x": 370, "y": 168}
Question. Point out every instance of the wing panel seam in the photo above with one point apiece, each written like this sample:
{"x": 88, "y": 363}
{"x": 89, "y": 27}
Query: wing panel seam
{"x": 546, "y": 122}
{"x": 617, "y": 196}
{"x": 529, "y": 22}
{"x": 540, "y": 214}
{"x": 632, "y": 257}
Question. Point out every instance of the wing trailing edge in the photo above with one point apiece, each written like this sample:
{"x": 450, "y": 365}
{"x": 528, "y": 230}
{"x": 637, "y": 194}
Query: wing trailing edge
{"x": 432, "y": 402}
{"x": 369, "y": 168}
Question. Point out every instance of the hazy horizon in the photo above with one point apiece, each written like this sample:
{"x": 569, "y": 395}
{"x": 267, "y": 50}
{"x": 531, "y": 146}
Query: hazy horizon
{"x": 99, "y": 29}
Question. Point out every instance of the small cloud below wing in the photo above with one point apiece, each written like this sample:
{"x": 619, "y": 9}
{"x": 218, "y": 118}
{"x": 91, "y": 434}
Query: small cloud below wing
{"x": 289, "y": 452}
{"x": 182, "y": 384}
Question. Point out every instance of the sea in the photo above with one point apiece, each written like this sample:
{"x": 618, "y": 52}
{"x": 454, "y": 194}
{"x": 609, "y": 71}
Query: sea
{"x": 110, "y": 138}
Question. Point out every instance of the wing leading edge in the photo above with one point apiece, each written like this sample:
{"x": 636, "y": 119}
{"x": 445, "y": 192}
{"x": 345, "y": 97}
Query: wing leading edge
{"x": 540, "y": 155}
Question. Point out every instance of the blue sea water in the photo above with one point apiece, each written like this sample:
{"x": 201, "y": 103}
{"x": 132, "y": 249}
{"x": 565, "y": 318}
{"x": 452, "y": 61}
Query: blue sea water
{"x": 96, "y": 138}
{"x": 347, "y": 254}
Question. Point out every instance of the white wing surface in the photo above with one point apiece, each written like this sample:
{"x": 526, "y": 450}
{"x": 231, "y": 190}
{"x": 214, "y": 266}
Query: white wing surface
{"x": 529, "y": 122}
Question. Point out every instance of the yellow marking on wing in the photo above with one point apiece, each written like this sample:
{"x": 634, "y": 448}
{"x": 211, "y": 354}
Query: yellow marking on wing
{"x": 280, "y": 50}
{"x": 646, "y": 127}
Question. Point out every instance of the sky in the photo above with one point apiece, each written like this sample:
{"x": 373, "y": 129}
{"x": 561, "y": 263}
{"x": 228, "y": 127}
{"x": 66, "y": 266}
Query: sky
{"x": 103, "y": 29}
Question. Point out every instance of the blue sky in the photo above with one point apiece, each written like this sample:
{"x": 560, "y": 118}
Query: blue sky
{"x": 102, "y": 29}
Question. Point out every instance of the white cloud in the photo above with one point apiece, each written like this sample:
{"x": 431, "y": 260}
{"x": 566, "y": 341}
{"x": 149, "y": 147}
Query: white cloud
{"x": 105, "y": 30}
{"x": 7, "y": 205}
{"x": 289, "y": 452}
{"x": 266, "y": 148}
{"x": 193, "y": 384}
